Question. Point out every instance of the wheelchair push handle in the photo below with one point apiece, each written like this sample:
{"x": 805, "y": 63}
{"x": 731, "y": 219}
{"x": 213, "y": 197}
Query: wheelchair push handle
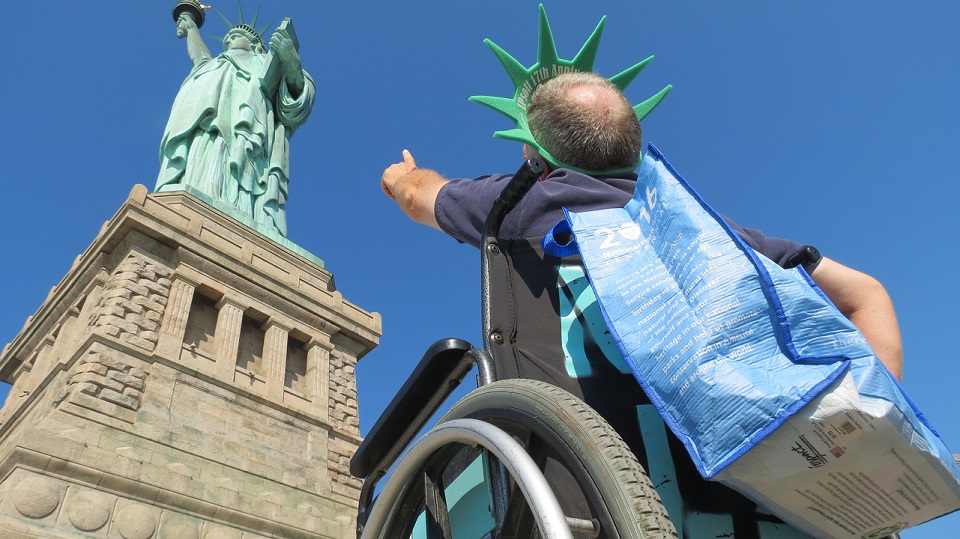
{"x": 518, "y": 186}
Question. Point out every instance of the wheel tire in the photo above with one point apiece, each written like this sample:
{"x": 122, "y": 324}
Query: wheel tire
{"x": 614, "y": 484}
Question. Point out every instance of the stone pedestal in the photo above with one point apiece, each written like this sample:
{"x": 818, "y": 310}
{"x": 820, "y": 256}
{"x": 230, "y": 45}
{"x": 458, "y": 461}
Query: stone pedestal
{"x": 188, "y": 378}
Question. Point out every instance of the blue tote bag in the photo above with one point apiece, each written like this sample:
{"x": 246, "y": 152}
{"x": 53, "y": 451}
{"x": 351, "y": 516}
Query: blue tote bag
{"x": 769, "y": 387}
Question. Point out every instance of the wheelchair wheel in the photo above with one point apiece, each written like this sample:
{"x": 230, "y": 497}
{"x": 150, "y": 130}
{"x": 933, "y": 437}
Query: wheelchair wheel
{"x": 594, "y": 474}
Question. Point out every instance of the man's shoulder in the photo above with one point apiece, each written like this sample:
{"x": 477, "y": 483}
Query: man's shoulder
{"x": 476, "y": 186}
{"x": 577, "y": 185}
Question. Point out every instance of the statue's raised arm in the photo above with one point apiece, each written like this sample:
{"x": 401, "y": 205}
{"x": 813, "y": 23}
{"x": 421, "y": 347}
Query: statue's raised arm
{"x": 189, "y": 17}
{"x": 227, "y": 139}
{"x": 187, "y": 29}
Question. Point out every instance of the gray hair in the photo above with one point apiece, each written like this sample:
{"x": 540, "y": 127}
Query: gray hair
{"x": 600, "y": 135}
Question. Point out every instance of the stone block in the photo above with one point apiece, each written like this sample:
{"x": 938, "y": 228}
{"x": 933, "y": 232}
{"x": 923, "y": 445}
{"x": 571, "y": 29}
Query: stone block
{"x": 222, "y": 496}
{"x": 109, "y": 362}
{"x": 112, "y": 310}
{"x": 110, "y": 330}
{"x": 149, "y": 304}
{"x": 111, "y": 439}
{"x": 120, "y": 323}
{"x": 33, "y": 496}
{"x": 132, "y": 310}
{"x": 138, "y": 341}
{"x": 156, "y": 290}
{"x": 101, "y": 406}
{"x": 225, "y": 483}
{"x": 254, "y": 505}
{"x": 294, "y": 479}
{"x": 87, "y": 511}
{"x": 253, "y": 485}
{"x": 273, "y": 497}
{"x": 82, "y": 436}
{"x": 127, "y": 272}
{"x": 235, "y": 461}
{"x": 135, "y": 520}
{"x": 92, "y": 367}
{"x": 219, "y": 531}
{"x": 119, "y": 399}
{"x": 115, "y": 290}
{"x": 182, "y": 469}
{"x": 87, "y": 387}
{"x": 137, "y": 289}
{"x": 107, "y": 383}
{"x": 162, "y": 478}
{"x": 127, "y": 380}
{"x": 179, "y": 526}
{"x": 123, "y": 485}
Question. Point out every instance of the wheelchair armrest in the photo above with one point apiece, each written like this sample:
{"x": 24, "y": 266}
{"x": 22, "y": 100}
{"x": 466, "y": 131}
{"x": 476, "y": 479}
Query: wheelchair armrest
{"x": 439, "y": 372}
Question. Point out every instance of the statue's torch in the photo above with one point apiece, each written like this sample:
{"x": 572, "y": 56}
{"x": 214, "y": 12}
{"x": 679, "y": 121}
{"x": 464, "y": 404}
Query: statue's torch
{"x": 192, "y": 7}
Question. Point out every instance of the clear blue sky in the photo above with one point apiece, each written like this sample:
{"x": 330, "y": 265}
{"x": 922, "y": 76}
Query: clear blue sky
{"x": 832, "y": 123}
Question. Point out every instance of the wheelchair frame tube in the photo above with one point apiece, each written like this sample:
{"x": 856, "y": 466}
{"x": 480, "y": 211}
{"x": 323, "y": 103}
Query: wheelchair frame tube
{"x": 540, "y": 498}
{"x": 524, "y": 179}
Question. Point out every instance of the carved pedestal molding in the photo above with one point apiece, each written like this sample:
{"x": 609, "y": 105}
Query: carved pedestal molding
{"x": 175, "y": 320}
{"x": 116, "y": 428}
{"x": 275, "y": 357}
{"x": 318, "y": 374}
{"x": 229, "y": 319}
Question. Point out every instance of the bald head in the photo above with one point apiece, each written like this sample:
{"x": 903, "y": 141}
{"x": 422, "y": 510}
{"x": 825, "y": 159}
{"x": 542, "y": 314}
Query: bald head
{"x": 583, "y": 120}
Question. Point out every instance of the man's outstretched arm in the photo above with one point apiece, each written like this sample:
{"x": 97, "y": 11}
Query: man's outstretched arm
{"x": 414, "y": 189}
{"x": 863, "y": 300}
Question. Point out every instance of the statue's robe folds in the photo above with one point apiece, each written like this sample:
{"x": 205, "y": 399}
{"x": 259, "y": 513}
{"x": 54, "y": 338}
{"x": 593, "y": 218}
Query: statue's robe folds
{"x": 228, "y": 140}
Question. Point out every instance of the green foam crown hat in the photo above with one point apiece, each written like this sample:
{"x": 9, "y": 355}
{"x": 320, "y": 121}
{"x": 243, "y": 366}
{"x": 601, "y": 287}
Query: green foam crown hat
{"x": 549, "y": 65}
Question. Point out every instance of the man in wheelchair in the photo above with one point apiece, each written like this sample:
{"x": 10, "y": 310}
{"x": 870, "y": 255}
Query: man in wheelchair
{"x": 545, "y": 323}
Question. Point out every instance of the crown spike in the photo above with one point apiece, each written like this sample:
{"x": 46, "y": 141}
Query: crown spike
{"x": 547, "y": 48}
{"x": 585, "y": 59}
{"x": 515, "y": 69}
{"x": 225, "y": 19}
{"x": 263, "y": 30}
{"x": 647, "y": 106}
{"x": 504, "y": 105}
{"x": 625, "y": 77}
{"x": 519, "y": 135}
{"x": 256, "y": 16}
{"x": 240, "y": 9}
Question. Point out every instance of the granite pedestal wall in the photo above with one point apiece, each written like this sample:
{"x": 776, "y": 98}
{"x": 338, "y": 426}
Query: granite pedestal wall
{"x": 188, "y": 378}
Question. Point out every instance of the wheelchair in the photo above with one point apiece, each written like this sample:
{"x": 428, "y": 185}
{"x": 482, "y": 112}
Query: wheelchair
{"x": 524, "y": 455}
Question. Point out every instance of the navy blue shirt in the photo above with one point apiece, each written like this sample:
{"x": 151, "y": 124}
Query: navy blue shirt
{"x": 462, "y": 207}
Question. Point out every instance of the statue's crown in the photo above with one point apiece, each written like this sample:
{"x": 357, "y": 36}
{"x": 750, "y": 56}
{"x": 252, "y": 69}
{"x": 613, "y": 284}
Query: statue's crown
{"x": 549, "y": 64}
{"x": 247, "y": 28}
{"x": 250, "y": 30}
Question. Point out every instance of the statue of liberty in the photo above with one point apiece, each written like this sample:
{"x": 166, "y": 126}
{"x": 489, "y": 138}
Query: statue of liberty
{"x": 229, "y": 130}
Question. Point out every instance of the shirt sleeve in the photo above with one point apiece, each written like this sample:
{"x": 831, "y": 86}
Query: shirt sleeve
{"x": 776, "y": 249}
{"x": 462, "y": 206}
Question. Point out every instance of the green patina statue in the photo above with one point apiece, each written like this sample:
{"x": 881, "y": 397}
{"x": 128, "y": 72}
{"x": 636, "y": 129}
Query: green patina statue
{"x": 229, "y": 131}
